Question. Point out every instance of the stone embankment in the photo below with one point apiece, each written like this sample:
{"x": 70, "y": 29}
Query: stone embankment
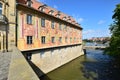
{"x": 13, "y": 66}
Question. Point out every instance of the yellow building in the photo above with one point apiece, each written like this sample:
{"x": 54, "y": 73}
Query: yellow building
{"x": 46, "y": 36}
{"x": 30, "y": 25}
{"x": 40, "y": 26}
{"x": 7, "y": 24}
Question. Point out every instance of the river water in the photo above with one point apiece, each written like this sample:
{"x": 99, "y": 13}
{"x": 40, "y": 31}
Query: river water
{"x": 92, "y": 66}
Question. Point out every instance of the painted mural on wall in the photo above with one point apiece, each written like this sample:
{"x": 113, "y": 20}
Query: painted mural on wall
{"x": 55, "y": 32}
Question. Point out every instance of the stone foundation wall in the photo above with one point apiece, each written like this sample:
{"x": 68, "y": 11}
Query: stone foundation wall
{"x": 19, "y": 69}
{"x": 49, "y": 59}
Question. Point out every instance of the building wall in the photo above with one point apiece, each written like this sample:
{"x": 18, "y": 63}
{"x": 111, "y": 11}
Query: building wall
{"x": 20, "y": 30}
{"x": 7, "y": 27}
{"x": 47, "y": 56}
{"x": 2, "y": 29}
{"x": 49, "y": 59}
{"x": 35, "y": 30}
{"x": 12, "y": 24}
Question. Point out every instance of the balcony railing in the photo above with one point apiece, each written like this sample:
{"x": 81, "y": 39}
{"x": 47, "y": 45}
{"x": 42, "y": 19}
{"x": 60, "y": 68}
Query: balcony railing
{"x": 3, "y": 19}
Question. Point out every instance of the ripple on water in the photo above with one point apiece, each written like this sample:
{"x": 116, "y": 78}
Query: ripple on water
{"x": 92, "y": 66}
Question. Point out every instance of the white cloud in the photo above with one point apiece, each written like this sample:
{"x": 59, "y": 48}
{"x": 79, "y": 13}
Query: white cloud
{"x": 78, "y": 18}
{"x": 55, "y": 6}
{"x": 88, "y": 32}
{"x": 101, "y": 22}
{"x": 95, "y": 33}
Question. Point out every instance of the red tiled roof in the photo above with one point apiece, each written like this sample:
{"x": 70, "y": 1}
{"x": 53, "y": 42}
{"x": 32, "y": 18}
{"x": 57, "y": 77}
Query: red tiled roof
{"x": 36, "y": 5}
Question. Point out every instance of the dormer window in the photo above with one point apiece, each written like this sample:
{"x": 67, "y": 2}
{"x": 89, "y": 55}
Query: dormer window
{"x": 0, "y": 8}
{"x": 29, "y": 3}
{"x": 51, "y": 12}
{"x": 64, "y": 18}
{"x": 77, "y": 23}
{"x": 42, "y": 8}
{"x": 69, "y": 20}
{"x": 73, "y": 22}
{"x": 58, "y": 15}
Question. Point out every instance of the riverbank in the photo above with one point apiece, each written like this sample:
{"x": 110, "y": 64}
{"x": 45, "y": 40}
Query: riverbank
{"x": 92, "y": 66}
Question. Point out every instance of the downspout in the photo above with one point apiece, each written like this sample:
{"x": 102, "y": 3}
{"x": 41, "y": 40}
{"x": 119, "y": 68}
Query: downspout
{"x": 6, "y": 24}
{"x": 16, "y": 28}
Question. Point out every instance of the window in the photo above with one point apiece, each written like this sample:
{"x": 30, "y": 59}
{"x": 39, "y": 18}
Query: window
{"x": 74, "y": 39}
{"x": 29, "y": 39}
{"x": 69, "y": 21}
{"x": 60, "y": 28}
{"x": 66, "y": 39}
{"x": 58, "y": 16}
{"x": 43, "y": 39}
{"x": 60, "y": 39}
{"x": 29, "y": 3}
{"x": 65, "y": 28}
{"x": 64, "y": 18}
{"x": 70, "y": 39}
{"x": 53, "y": 39}
{"x": 78, "y": 39}
{"x": 43, "y": 22}
{"x": 52, "y": 25}
{"x": 51, "y": 12}
{"x": 0, "y": 8}
{"x": 29, "y": 19}
{"x": 42, "y": 9}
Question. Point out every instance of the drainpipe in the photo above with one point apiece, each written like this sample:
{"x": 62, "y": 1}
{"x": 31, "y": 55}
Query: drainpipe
{"x": 6, "y": 24}
{"x": 16, "y": 28}
{"x": 3, "y": 43}
{"x": 16, "y": 21}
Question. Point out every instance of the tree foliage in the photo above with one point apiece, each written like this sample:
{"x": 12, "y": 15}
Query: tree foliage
{"x": 114, "y": 48}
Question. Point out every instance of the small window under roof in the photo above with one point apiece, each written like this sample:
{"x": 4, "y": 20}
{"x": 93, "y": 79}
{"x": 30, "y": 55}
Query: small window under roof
{"x": 42, "y": 7}
{"x": 64, "y": 18}
{"x": 58, "y": 14}
{"x": 29, "y": 3}
{"x": 51, "y": 12}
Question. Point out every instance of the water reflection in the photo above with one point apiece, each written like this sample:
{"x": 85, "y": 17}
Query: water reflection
{"x": 93, "y": 66}
{"x": 96, "y": 44}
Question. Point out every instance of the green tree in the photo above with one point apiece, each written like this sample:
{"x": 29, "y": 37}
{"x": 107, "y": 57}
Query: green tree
{"x": 114, "y": 48}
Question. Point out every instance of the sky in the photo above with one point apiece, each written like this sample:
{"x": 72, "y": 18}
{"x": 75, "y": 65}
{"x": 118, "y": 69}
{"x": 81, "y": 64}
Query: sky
{"x": 95, "y": 16}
